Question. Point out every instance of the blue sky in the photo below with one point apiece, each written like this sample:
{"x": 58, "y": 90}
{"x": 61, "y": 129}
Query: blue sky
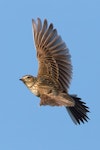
{"x": 23, "y": 123}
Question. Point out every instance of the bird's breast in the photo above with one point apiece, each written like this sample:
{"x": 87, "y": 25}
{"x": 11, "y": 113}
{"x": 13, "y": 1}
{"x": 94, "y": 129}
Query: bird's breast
{"x": 34, "y": 90}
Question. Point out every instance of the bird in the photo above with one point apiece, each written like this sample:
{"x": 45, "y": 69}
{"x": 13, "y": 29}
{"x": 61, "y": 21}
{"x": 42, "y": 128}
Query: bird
{"x": 54, "y": 72}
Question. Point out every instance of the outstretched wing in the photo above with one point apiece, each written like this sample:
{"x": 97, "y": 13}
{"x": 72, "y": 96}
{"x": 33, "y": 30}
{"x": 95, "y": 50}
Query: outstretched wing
{"x": 52, "y": 53}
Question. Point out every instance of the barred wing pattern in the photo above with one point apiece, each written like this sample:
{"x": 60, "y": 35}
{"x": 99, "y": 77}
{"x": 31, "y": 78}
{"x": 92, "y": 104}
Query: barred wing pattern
{"x": 52, "y": 53}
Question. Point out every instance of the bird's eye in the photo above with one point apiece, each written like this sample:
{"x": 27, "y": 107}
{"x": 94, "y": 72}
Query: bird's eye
{"x": 28, "y": 77}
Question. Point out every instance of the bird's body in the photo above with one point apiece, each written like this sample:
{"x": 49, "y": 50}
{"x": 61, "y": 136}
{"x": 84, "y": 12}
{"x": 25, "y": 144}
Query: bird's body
{"x": 54, "y": 73}
{"x": 48, "y": 91}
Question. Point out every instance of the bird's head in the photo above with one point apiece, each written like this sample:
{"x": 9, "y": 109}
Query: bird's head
{"x": 28, "y": 80}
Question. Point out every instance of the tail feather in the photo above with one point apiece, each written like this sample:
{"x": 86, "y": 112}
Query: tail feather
{"x": 78, "y": 113}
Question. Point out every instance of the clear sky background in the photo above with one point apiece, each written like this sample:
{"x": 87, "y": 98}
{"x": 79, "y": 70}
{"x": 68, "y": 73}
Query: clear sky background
{"x": 24, "y": 125}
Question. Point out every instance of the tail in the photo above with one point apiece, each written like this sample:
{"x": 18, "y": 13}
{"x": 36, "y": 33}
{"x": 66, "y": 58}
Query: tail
{"x": 78, "y": 113}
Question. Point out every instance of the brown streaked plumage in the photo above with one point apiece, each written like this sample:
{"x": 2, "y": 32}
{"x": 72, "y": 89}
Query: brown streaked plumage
{"x": 54, "y": 73}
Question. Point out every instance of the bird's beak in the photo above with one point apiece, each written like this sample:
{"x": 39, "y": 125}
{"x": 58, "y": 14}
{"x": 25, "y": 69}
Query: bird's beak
{"x": 21, "y": 79}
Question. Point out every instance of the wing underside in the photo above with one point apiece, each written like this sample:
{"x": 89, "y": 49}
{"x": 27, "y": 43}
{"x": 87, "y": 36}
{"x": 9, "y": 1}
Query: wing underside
{"x": 52, "y": 53}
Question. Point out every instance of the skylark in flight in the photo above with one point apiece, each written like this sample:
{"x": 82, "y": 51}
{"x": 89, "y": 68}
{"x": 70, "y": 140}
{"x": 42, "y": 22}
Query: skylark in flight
{"x": 54, "y": 73}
